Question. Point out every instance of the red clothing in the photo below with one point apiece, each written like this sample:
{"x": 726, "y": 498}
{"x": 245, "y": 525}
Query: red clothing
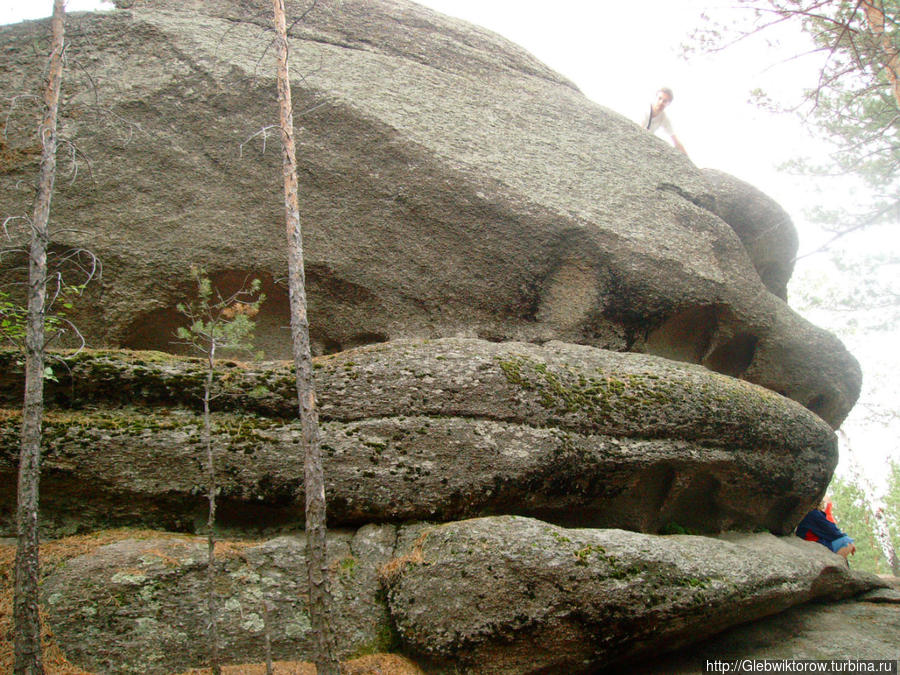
{"x": 817, "y": 524}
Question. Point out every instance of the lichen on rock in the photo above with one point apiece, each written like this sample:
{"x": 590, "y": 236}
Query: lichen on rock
{"x": 432, "y": 430}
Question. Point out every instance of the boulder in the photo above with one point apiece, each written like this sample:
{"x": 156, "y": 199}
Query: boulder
{"x": 140, "y": 605}
{"x": 844, "y": 631}
{"x": 500, "y": 595}
{"x": 434, "y": 430}
{"x": 452, "y": 186}
{"x": 515, "y": 595}
{"x": 765, "y": 229}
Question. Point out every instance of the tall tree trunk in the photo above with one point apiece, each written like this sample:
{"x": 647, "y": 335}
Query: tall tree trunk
{"x": 26, "y": 615}
{"x": 875, "y": 17}
{"x": 314, "y": 484}
{"x": 883, "y": 531}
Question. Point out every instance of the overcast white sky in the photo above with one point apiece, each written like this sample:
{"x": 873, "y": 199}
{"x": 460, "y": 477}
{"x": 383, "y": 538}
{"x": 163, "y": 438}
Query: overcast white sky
{"x": 619, "y": 55}
{"x": 12, "y": 11}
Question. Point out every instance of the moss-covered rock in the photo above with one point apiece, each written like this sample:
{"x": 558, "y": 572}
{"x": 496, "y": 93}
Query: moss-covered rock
{"x": 437, "y": 430}
{"x": 153, "y": 590}
{"x": 516, "y": 595}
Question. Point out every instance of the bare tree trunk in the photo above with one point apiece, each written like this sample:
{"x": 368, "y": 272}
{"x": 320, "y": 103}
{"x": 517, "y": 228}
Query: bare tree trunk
{"x": 314, "y": 484}
{"x": 887, "y": 544}
{"x": 26, "y": 614}
{"x": 211, "y": 519}
{"x": 267, "y": 634}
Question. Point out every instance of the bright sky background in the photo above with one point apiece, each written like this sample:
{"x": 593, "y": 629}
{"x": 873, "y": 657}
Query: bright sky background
{"x": 618, "y": 56}
{"x": 13, "y": 11}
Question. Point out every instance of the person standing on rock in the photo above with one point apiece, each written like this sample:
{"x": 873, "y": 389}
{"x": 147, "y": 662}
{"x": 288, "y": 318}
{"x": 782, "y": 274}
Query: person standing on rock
{"x": 656, "y": 117}
{"x": 816, "y": 526}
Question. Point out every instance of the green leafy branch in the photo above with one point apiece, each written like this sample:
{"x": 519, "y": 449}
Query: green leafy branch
{"x": 853, "y": 102}
{"x": 61, "y": 296}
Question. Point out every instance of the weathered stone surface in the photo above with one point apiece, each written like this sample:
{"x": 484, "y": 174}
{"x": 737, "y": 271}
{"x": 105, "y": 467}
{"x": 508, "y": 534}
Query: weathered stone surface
{"x": 765, "y": 229}
{"x": 436, "y": 430}
{"x": 841, "y": 631}
{"x": 515, "y": 595}
{"x": 488, "y": 587}
{"x": 139, "y": 606}
{"x": 452, "y": 185}
{"x": 884, "y": 595}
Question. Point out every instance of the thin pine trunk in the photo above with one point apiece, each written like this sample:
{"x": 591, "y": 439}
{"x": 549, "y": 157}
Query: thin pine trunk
{"x": 26, "y": 613}
{"x": 314, "y": 484}
{"x": 267, "y": 635}
{"x": 211, "y": 519}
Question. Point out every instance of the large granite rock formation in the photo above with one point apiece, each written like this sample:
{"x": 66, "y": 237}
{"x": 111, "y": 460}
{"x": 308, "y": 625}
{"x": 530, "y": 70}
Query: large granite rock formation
{"x": 864, "y": 628}
{"x": 499, "y": 595}
{"x": 452, "y": 185}
{"x": 153, "y": 590}
{"x": 514, "y": 595}
{"x": 435, "y": 430}
{"x": 508, "y": 241}
{"x": 765, "y": 229}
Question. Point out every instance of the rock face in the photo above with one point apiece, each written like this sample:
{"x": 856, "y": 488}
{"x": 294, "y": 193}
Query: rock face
{"x": 452, "y": 186}
{"x": 857, "y": 629}
{"x": 515, "y": 595}
{"x": 435, "y": 430}
{"x": 154, "y": 591}
{"x": 763, "y": 226}
{"x": 512, "y": 595}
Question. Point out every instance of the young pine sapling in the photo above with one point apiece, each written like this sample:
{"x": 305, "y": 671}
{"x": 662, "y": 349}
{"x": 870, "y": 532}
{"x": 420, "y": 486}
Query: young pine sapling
{"x": 216, "y": 322}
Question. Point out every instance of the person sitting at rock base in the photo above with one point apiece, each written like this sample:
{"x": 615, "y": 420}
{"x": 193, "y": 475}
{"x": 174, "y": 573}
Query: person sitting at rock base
{"x": 816, "y": 526}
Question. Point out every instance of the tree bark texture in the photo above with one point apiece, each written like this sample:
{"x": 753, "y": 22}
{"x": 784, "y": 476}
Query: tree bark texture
{"x": 26, "y": 614}
{"x": 314, "y": 484}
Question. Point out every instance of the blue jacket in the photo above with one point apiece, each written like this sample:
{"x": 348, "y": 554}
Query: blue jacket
{"x": 816, "y": 522}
